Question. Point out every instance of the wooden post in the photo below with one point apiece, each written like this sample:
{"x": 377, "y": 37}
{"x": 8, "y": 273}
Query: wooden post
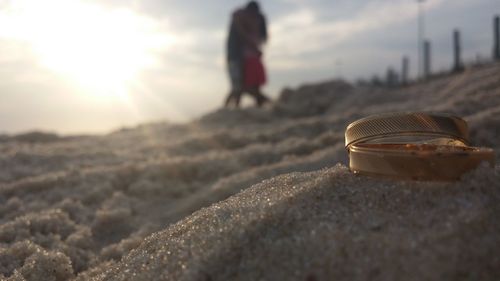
{"x": 391, "y": 78}
{"x": 421, "y": 34}
{"x": 404, "y": 70}
{"x": 388, "y": 77}
{"x": 427, "y": 59}
{"x": 496, "y": 29}
{"x": 457, "y": 66}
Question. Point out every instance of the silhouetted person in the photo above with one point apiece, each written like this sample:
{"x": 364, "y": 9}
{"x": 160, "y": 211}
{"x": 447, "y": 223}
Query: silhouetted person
{"x": 247, "y": 32}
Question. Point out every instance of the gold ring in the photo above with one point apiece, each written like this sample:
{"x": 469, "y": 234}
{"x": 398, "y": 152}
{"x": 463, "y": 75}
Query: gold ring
{"x": 418, "y": 146}
{"x": 405, "y": 127}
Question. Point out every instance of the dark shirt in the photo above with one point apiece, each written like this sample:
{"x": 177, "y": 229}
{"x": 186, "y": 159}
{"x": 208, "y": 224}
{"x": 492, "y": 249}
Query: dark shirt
{"x": 234, "y": 48}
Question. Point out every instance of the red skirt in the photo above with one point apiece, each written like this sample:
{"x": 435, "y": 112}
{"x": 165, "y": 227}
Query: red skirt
{"x": 255, "y": 74}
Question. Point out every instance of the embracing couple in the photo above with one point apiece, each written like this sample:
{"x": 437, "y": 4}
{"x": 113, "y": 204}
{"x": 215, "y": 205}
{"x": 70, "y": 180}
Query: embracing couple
{"x": 247, "y": 33}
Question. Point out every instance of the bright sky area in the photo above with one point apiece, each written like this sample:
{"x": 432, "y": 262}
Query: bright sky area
{"x": 92, "y": 66}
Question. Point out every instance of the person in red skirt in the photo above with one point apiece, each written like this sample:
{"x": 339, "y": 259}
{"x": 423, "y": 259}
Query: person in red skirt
{"x": 248, "y": 32}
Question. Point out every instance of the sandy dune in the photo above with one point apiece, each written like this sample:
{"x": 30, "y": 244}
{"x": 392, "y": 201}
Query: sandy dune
{"x": 163, "y": 202}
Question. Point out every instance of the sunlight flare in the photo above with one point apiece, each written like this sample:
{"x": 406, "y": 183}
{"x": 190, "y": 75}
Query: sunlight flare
{"x": 101, "y": 49}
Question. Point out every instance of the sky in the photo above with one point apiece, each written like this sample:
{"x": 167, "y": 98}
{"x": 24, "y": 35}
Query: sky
{"x": 93, "y": 66}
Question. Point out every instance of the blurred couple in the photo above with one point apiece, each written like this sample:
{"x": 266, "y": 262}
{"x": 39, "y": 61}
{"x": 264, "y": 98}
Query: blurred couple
{"x": 247, "y": 33}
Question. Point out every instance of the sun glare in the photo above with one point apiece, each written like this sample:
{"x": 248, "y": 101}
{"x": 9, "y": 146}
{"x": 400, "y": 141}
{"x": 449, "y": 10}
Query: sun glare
{"x": 101, "y": 49}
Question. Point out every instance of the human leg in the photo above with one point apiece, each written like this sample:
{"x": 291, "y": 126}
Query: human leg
{"x": 235, "y": 76}
{"x": 260, "y": 98}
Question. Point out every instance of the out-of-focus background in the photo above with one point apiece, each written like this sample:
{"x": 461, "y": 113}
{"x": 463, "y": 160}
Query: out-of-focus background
{"x": 91, "y": 66}
{"x": 166, "y": 185}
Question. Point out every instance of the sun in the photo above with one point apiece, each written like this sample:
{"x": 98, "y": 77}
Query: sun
{"x": 101, "y": 49}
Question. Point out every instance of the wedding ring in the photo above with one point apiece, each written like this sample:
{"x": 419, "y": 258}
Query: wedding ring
{"x": 414, "y": 145}
{"x": 407, "y": 126}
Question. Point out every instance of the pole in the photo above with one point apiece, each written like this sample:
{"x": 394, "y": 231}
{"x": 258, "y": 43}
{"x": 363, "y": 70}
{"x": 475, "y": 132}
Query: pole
{"x": 457, "y": 51}
{"x": 391, "y": 79}
{"x": 421, "y": 33}
{"x": 496, "y": 29}
{"x": 404, "y": 70}
{"x": 427, "y": 59}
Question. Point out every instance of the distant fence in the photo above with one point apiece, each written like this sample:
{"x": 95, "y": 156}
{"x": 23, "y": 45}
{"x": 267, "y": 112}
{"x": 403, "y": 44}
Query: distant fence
{"x": 496, "y": 35}
{"x": 392, "y": 77}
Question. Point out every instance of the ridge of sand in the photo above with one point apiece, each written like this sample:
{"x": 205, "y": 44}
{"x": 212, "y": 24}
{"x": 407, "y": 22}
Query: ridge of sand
{"x": 129, "y": 205}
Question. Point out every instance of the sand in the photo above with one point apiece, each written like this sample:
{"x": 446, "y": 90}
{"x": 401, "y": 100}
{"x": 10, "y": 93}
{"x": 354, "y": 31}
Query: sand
{"x": 254, "y": 194}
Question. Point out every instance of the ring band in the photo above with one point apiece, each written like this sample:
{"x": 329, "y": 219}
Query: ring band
{"x": 412, "y": 124}
{"x": 417, "y": 162}
{"x": 417, "y": 146}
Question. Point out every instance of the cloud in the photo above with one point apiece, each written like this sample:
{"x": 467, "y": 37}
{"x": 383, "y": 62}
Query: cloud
{"x": 308, "y": 39}
{"x": 301, "y": 33}
{"x": 65, "y": 62}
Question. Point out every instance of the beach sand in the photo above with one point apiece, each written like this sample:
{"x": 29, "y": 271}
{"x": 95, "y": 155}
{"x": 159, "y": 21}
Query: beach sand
{"x": 253, "y": 194}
